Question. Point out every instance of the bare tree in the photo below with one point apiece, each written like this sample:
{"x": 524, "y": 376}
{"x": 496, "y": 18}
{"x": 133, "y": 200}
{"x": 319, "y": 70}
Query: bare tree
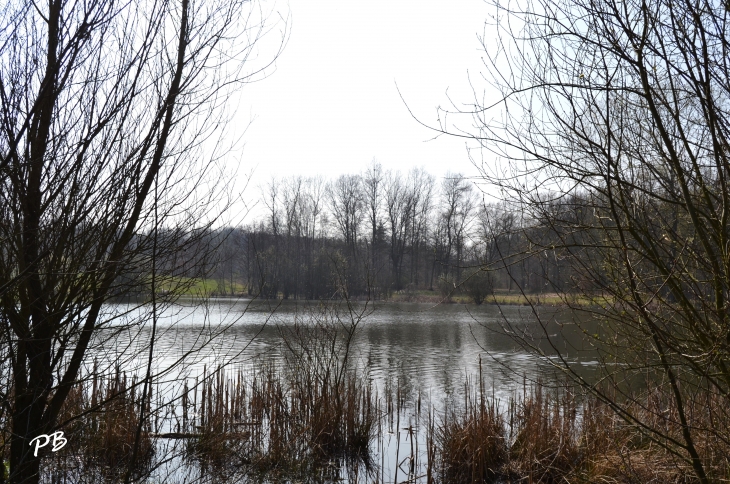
{"x": 613, "y": 140}
{"x": 345, "y": 200}
{"x": 422, "y": 186}
{"x": 457, "y": 212}
{"x": 271, "y": 196}
{"x": 110, "y": 115}
{"x": 372, "y": 181}
{"x": 399, "y": 206}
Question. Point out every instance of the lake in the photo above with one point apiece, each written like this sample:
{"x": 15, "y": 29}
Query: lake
{"x": 426, "y": 346}
{"x": 428, "y": 351}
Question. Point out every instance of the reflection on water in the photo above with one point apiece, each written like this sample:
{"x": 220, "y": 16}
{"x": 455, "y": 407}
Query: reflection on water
{"x": 419, "y": 346}
{"x": 429, "y": 352}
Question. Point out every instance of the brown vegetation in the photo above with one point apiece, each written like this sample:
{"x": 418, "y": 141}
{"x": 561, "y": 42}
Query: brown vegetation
{"x": 274, "y": 424}
{"x": 552, "y": 436}
{"x": 278, "y": 424}
{"x": 99, "y": 420}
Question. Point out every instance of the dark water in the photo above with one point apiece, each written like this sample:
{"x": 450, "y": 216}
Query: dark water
{"x": 421, "y": 346}
{"x": 428, "y": 351}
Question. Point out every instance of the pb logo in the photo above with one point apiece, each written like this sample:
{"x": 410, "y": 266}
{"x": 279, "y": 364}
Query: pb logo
{"x": 58, "y": 442}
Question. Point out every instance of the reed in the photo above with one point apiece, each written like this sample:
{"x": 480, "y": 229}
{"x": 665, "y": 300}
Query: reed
{"x": 617, "y": 450}
{"x": 551, "y": 436}
{"x": 295, "y": 419}
{"x": 313, "y": 416}
{"x": 471, "y": 445}
{"x": 100, "y": 420}
{"x": 546, "y": 436}
{"x": 274, "y": 423}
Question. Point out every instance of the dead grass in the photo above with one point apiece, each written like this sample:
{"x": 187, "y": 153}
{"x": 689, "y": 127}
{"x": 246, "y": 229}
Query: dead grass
{"x": 294, "y": 423}
{"x": 553, "y": 436}
{"x": 101, "y": 418}
{"x": 273, "y": 424}
{"x": 308, "y": 417}
{"x": 472, "y": 445}
{"x": 500, "y": 297}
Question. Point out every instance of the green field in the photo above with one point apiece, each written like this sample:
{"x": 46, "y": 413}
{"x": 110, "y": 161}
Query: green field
{"x": 188, "y": 286}
{"x": 197, "y": 287}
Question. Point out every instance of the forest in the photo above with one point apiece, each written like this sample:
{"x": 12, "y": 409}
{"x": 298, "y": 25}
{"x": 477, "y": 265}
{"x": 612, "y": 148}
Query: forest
{"x": 387, "y": 233}
{"x": 600, "y": 135}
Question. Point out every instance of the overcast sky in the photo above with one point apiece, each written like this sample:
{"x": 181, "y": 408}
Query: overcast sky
{"x": 331, "y": 105}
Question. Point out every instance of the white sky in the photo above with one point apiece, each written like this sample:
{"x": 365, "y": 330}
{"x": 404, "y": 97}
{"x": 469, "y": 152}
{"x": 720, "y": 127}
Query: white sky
{"x": 331, "y": 105}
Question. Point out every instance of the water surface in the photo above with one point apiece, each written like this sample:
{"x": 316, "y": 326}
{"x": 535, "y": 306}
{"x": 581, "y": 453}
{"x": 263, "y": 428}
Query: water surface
{"x": 420, "y": 346}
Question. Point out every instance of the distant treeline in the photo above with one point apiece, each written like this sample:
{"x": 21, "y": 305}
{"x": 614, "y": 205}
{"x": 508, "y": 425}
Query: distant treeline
{"x": 381, "y": 232}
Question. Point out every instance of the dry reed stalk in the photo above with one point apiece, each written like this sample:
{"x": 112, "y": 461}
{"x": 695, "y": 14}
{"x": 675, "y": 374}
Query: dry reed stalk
{"x": 544, "y": 437}
{"x": 470, "y": 445}
{"x": 99, "y": 420}
{"x": 546, "y": 444}
{"x": 278, "y": 422}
